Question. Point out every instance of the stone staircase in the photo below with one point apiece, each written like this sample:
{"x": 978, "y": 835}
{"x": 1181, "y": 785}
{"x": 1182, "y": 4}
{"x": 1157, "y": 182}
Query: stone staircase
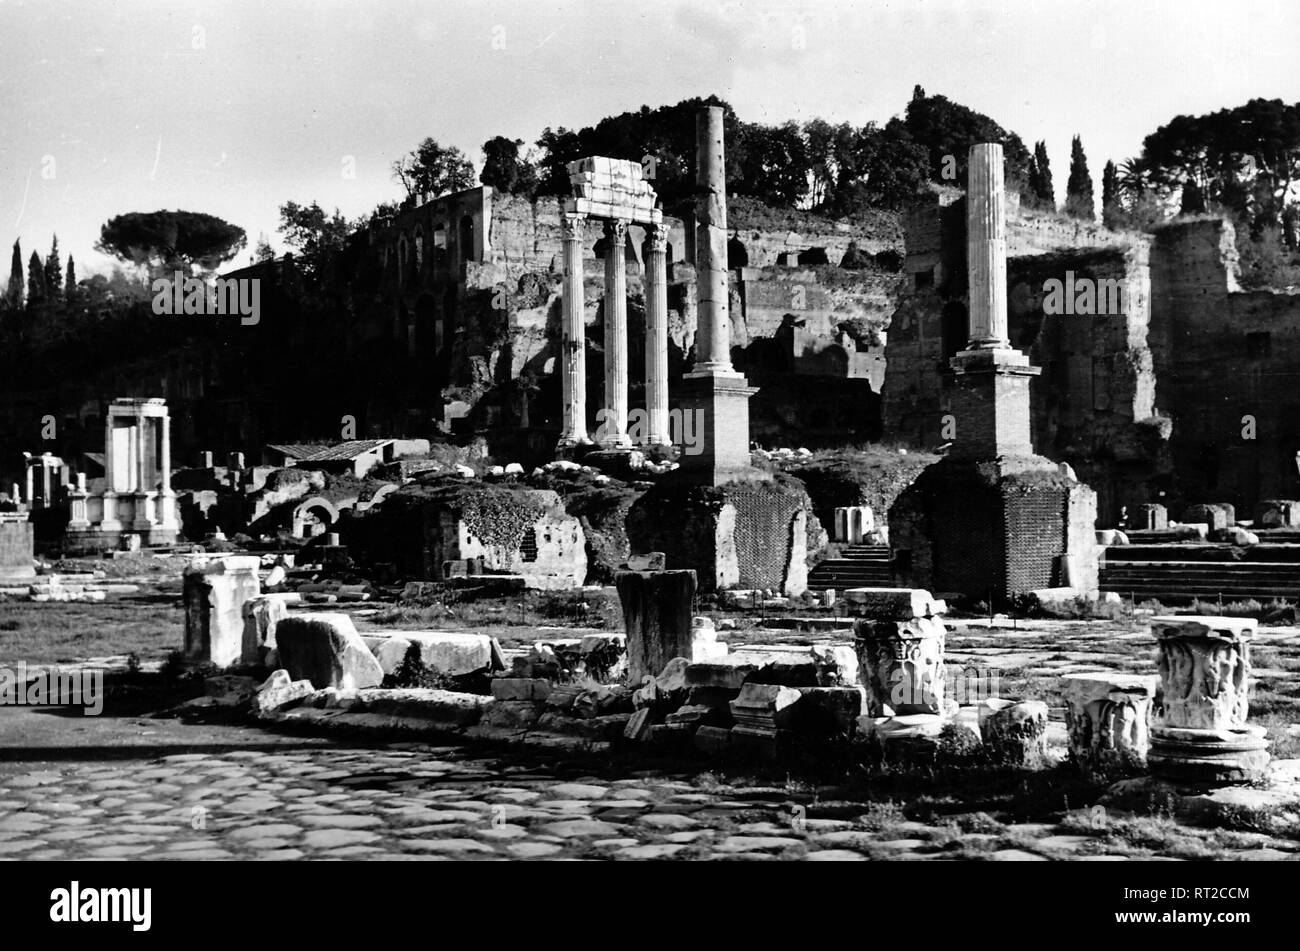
{"x": 1180, "y": 573}
{"x": 859, "y": 566}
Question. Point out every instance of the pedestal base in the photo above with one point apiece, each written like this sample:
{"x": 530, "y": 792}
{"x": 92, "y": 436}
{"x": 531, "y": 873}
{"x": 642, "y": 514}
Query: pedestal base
{"x": 719, "y": 405}
{"x": 1209, "y": 756}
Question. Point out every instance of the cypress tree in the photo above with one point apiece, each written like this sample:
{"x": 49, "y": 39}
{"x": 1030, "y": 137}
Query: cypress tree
{"x": 1078, "y": 191}
{"x": 35, "y": 280}
{"x": 14, "y": 292}
{"x": 1110, "y": 206}
{"x": 1042, "y": 183}
{"x": 54, "y": 271}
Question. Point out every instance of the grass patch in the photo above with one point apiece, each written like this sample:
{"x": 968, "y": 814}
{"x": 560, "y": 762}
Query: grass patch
{"x": 61, "y": 632}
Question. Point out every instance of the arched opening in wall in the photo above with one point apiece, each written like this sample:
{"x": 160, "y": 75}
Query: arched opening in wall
{"x": 466, "y": 238}
{"x": 952, "y": 329}
{"x": 813, "y": 256}
{"x": 419, "y": 248}
{"x": 737, "y": 255}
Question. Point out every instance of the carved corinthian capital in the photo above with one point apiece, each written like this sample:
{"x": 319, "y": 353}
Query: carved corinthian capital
{"x": 572, "y": 227}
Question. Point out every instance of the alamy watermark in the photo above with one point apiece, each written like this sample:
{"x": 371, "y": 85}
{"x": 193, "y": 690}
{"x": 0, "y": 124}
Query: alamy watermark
{"x": 685, "y": 428}
{"x": 1083, "y": 296}
{"x": 179, "y": 295}
{"x": 53, "y": 687}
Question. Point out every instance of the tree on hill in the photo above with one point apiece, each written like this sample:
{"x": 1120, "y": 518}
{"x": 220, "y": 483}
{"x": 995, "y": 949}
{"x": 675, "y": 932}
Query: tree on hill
{"x": 504, "y": 169}
{"x": 165, "y": 241}
{"x": 430, "y": 170}
{"x": 1040, "y": 178}
{"x": 54, "y": 271}
{"x": 14, "y": 290}
{"x": 1111, "y": 205}
{"x": 1244, "y": 160}
{"x": 945, "y": 128}
{"x": 1078, "y": 190}
{"x": 70, "y": 279}
{"x": 775, "y": 164}
{"x": 318, "y": 237}
{"x": 662, "y": 139}
{"x": 35, "y": 281}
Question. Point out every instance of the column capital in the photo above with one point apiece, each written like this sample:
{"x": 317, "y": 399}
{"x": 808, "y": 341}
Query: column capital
{"x": 656, "y": 238}
{"x": 572, "y": 226}
{"x": 616, "y": 228}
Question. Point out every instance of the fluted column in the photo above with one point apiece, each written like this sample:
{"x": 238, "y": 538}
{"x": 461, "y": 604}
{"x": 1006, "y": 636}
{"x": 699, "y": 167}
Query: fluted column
{"x": 656, "y": 336}
{"x": 614, "y": 420}
{"x": 166, "y": 497}
{"x": 108, "y": 517}
{"x": 573, "y": 344}
{"x": 986, "y": 247}
{"x": 713, "y": 327}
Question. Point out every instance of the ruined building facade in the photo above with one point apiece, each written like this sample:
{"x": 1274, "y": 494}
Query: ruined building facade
{"x": 1145, "y": 402}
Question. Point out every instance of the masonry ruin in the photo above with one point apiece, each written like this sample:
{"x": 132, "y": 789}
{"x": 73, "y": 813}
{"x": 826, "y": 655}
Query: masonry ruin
{"x": 993, "y": 519}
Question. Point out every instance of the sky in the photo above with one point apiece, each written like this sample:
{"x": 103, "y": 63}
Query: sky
{"x": 235, "y": 107}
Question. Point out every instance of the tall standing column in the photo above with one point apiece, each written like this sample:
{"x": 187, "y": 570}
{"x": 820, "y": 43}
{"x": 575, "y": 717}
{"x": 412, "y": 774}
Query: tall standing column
{"x": 986, "y": 247}
{"x": 144, "y": 518}
{"x": 713, "y": 329}
{"x": 108, "y": 520}
{"x": 573, "y": 344}
{"x": 31, "y": 485}
{"x": 715, "y": 398}
{"x": 166, "y": 497}
{"x": 614, "y": 420}
{"x": 656, "y": 336}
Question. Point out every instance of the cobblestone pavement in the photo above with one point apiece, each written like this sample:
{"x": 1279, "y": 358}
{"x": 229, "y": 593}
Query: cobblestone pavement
{"x": 420, "y": 802}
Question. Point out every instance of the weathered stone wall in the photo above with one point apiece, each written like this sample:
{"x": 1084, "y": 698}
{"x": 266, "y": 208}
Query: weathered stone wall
{"x": 16, "y": 552}
{"x": 1224, "y": 357}
{"x": 1095, "y": 403}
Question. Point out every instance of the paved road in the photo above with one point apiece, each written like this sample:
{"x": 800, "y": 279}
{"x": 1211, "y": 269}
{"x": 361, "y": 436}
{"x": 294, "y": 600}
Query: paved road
{"x": 126, "y": 788}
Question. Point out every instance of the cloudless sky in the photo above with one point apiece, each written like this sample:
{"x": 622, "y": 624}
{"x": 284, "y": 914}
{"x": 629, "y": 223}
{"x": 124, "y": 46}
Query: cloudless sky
{"x": 235, "y": 107}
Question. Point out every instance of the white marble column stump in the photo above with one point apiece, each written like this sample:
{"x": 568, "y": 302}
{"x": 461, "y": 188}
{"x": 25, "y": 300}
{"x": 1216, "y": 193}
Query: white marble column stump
{"x": 1202, "y": 734}
{"x": 614, "y": 423}
{"x": 573, "y": 344}
{"x": 901, "y": 665}
{"x": 1108, "y": 717}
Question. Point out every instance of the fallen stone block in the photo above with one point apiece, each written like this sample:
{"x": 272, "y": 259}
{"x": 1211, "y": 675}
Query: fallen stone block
{"x": 1215, "y": 517}
{"x": 835, "y": 665}
{"x": 511, "y": 714}
{"x": 893, "y": 604}
{"x": 764, "y": 707}
{"x": 1234, "y": 535}
{"x": 326, "y": 650}
{"x": 1151, "y": 516}
{"x": 279, "y": 691}
{"x": 724, "y": 675}
{"x": 520, "y": 688}
{"x": 448, "y": 653}
{"x": 1014, "y": 732}
{"x": 828, "y": 711}
{"x": 262, "y": 615}
{"x": 638, "y": 727}
{"x": 1277, "y": 513}
{"x": 712, "y": 740}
